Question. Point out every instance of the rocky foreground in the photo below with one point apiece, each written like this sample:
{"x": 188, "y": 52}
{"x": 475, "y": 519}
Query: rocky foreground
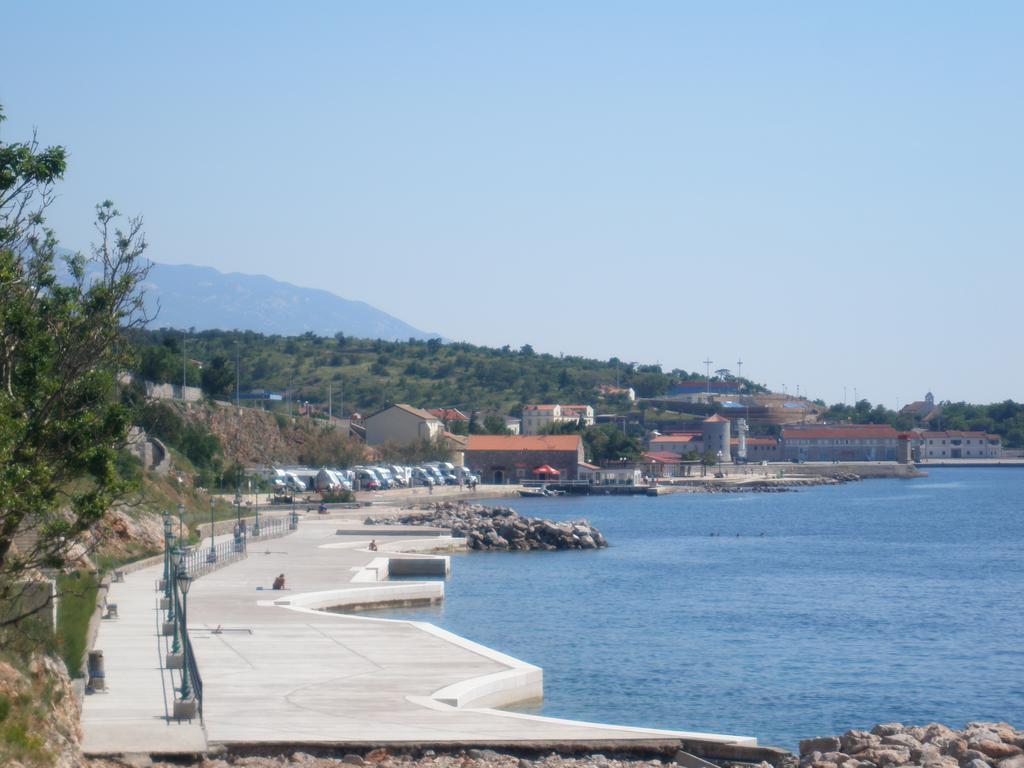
{"x": 979, "y": 745}
{"x": 499, "y": 528}
{"x": 382, "y": 758}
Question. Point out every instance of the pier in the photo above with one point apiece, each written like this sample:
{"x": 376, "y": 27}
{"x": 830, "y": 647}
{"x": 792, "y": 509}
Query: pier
{"x": 297, "y": 668}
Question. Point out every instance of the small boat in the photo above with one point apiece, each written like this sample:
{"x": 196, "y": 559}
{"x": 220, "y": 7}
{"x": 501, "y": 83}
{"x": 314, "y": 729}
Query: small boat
{"x": 539, "y": 490}
{"x": 533, "y": 492}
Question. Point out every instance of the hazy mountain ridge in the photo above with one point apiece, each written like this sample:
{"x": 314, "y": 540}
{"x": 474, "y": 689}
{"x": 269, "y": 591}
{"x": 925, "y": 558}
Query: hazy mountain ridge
{"x": 188, "y": 296}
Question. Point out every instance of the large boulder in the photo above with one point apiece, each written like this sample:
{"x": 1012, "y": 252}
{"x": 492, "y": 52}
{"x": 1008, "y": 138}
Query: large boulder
{"x": 902, "y": 740}
{"x": 820, "y": 744}
{"x": 853, "y": 742}
{"x": 888, "y": 729}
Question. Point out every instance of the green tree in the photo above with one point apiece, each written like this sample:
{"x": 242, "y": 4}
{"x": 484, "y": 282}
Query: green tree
{"x": 218, "y": 376}
{"x": 606, "y": 442}
{"x": 495, "y": 425}
{"x": 61, "y": 347}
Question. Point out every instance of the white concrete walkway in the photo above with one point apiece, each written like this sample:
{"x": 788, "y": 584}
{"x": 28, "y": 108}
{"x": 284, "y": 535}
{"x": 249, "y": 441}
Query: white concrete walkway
{"x": 280, "y": 671}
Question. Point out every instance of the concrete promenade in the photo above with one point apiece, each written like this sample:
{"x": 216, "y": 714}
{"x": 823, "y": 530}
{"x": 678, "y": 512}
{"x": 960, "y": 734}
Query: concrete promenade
{"x": 277, "y": 669}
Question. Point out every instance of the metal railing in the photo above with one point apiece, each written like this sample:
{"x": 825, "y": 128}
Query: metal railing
{"x": 200, "y": 560}
{"x": 272, "y": 528}
{"x": 195, "y": 680}
{"x": 197, "y": 560}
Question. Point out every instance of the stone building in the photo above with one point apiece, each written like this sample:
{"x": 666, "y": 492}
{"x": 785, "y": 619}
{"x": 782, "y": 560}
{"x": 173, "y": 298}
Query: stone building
{"x": 513, "y": 458}
{"x": 959, "y": 445}
{"x": 840, "y": 442}
{"x": 402, "y": 424}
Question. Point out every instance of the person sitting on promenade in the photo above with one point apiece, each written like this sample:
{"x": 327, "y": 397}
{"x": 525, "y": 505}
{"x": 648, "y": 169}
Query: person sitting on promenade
{"x": 279, "y": 582}
{"x": 373, "y": 545}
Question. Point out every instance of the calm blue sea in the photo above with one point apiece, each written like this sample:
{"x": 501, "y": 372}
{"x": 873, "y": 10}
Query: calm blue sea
{"x": 813, "y": 612}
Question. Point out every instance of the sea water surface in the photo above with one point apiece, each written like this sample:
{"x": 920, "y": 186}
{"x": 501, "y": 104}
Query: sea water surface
{"x": 807, "y": 614}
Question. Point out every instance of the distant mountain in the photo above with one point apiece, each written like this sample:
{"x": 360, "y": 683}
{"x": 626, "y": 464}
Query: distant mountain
{"x": 205, "y": 299}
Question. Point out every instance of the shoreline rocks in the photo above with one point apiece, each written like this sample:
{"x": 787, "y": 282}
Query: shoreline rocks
{"x": 979, "y": 745}
{"x": 499, "y": 528}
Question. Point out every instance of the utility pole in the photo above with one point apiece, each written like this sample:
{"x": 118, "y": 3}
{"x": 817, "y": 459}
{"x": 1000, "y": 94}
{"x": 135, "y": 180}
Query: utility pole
{"x": 330, "y": 404}
{"x": 237, "y": 391}
{"x": 184, "y": 359}
{"x": 707, "y": 374}
{"x": 739, "y": 368}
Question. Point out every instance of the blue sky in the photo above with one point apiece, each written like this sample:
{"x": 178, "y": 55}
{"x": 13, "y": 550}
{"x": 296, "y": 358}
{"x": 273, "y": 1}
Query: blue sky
{"x": 830, "y": 191}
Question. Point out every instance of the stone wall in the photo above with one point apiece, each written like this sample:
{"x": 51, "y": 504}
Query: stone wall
{"x": 173, "y": 392}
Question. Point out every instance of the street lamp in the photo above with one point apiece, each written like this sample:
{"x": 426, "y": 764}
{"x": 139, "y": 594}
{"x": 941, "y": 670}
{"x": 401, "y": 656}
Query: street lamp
{"x": 181, "y": 520}
{"x": 177, "y": 563}
{"x": 256, "y": 524}
{"x": 167, "y": 554}
{"x": 239, "y": 545}
{"x": 212, "y": 557}
{"x": 719, "y": 462}
{"x": 184, "y": 583}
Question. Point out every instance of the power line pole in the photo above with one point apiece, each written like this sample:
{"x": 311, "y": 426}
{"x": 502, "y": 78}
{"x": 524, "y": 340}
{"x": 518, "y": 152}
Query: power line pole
{"x": 739, "y": 368}
{"x": 237, "y": 390}
{"x": 184, "y": 338}
{"x": 707, "y": 374}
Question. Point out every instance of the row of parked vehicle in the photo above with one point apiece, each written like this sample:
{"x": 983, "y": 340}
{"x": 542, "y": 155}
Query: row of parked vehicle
{"x": 371, "y": 478}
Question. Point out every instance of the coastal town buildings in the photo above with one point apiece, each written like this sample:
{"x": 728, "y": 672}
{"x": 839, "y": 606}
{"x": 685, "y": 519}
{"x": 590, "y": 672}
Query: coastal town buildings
{"x": 678, "y": 443}
{"x": 449, "y": 416}
{"x": 840, "y": 442}
{"x": 714, "y": 436}
{"x": 402, "y": 424}
{"x": 662, "y": 464}
{"x": 514, "y": 458}
{"x": 922, "y": 411}
{"x": 702, "y": 391}
{"x": 607, "y": 390}
{"x": 758, "y": 449}
{"x": 958, "y": 445}
{"x": 537, "y": 418}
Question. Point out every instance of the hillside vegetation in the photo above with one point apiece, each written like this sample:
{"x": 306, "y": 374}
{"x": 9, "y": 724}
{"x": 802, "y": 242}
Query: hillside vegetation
{"x": 361, "y": 375}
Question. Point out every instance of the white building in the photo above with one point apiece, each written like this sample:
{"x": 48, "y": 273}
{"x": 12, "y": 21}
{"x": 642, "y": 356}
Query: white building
{"x": 960, "y": 445}
{"x": 537, "y": 418}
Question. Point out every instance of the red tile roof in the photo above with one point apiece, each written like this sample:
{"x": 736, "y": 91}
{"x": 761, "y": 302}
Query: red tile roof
{"x": 751, "y": 441}
{"x": 674, "y": 439}
{"x": 524, "y": 443}
{"x": 539, "y": 407}
{"x": 958, "y": 434}
{"x": 716, "y": 419}
{"x": 841, "y": 432}
{"x": 449, "y": 414}
{"x": 662, "y": 457}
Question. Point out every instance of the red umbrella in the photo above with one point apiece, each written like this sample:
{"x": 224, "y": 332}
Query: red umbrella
{"x": 547, "y": 469}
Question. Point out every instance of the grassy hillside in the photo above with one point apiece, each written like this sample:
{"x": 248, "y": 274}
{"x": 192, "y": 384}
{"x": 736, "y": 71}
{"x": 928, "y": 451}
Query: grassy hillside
{"x": 363, "y": 375}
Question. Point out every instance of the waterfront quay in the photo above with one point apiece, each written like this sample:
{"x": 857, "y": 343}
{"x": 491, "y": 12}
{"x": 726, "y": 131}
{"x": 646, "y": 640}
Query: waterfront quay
{"x": 309, "y": 666}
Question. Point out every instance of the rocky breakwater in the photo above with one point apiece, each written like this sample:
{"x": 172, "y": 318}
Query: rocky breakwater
{"x": 500, "y": 528}
{"x": 979, "y": 745}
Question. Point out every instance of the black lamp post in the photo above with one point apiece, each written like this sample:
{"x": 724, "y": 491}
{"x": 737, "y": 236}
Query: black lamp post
{"x": 181, "y": 521}
{"x": 167, "y": 556}
{"x": 177, "y": 558}
{"x": 184, "y": 583}
{"x": 239, "y": 543}
{"x": 212, "y": 557}
{"x": 719, "y": 462}
{"x": 256, "y": 525}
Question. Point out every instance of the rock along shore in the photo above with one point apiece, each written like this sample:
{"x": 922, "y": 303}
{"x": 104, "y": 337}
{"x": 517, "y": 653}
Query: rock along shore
{"x": 979, "y": 745}
{"x": 384, "y": 758}
{"x": 499, "y": 528}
